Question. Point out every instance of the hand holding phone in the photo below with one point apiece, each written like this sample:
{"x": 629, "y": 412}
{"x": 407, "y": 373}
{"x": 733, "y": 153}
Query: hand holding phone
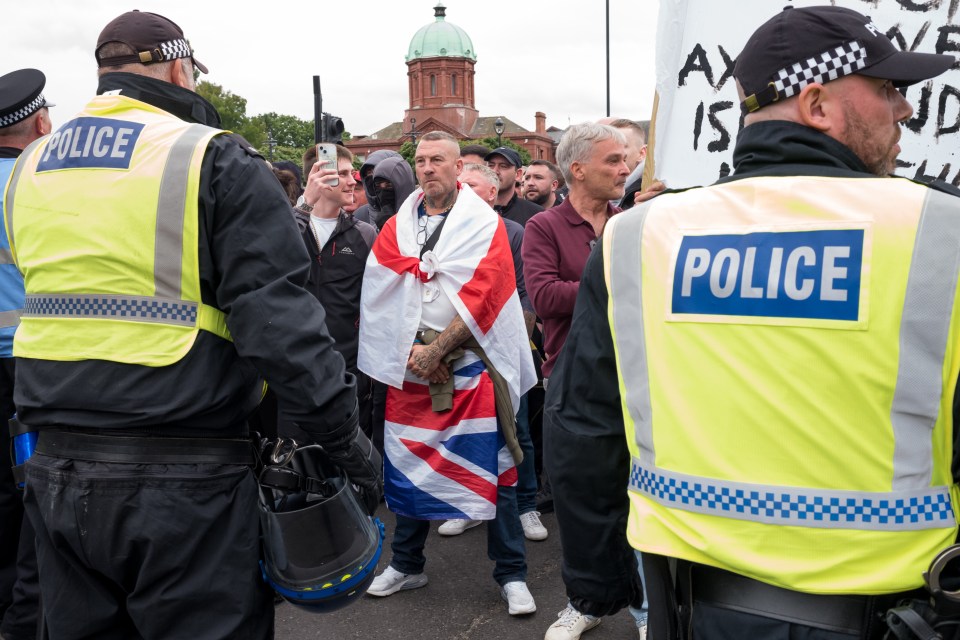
{"x": 327, "y": 158}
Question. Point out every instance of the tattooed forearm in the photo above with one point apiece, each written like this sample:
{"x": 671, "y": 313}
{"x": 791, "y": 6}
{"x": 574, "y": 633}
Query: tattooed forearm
{"x": 451, "y": 338}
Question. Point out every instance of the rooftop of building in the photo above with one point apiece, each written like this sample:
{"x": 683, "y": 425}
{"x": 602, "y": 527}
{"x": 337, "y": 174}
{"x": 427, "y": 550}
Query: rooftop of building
{"x": 440, "y": 39}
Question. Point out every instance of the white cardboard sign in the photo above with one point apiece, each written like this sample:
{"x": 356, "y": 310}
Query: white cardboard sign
{"x": 698, "y": 115}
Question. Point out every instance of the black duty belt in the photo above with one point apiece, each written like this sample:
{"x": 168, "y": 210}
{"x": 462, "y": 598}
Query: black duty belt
{"x": 101, "y": 448}
{"x": 837, "y": 613}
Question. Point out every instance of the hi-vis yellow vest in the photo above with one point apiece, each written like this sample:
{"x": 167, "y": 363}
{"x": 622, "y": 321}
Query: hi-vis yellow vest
{"x": 103, "y": 223}
{"x": 787, "y": 351}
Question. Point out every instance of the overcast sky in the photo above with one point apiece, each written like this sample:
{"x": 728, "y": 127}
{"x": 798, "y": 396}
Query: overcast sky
{"x": 533, "y": 55}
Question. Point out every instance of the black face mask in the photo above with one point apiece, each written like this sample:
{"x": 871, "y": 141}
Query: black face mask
{"x": 387, "y": 198}
{"x": 371, "y": 190}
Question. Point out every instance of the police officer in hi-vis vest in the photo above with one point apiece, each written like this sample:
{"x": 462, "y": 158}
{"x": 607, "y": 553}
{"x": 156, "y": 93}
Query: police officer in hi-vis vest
{"x": 24, "y": 117}
{"x": 164, "y": 282}
{"x": 758, "y": 388}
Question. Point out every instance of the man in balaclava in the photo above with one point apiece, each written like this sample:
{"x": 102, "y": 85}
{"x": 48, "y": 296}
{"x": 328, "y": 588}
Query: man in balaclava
{"x": 366, "y": 212}
{"x": 393, "y": 182}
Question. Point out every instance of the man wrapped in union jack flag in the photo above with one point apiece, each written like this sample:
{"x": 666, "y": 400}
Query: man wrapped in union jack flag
{"x": 441, "y": 324}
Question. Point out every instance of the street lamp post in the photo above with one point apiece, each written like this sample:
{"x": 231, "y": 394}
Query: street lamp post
{"x": 271, "y": 144}
{"x": 498, "y": 127}
{"x": 413, "y": 131}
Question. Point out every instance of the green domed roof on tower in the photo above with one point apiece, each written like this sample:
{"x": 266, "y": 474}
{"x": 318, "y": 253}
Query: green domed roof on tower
{"x": 440, "y": 39}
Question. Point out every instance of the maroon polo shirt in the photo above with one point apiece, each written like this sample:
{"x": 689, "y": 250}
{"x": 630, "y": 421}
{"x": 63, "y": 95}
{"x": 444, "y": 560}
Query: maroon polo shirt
{"x": 556, "y": 245}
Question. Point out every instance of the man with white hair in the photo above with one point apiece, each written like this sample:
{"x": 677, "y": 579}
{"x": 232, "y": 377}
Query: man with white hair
{"x": 556, "y": 245}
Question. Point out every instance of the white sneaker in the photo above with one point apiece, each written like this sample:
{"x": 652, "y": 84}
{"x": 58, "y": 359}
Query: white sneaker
{"x": 456, "y": 527}
{"x": 533, "y": 529}
{"x": 570, "y": 625}
{"x": 391, "y": 581}
{"x": 518, "y": 598}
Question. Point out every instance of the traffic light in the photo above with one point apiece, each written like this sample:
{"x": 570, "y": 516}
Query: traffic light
{"x": 331, "y": 128}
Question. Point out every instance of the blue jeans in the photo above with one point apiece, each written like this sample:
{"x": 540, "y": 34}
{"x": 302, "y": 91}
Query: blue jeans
{"x": 526, "y": 471}
{"x": 640, "y": 615}
{"x": 505, "y": 544}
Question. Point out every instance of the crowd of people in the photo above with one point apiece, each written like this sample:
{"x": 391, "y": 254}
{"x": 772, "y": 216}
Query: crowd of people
{"x": 475, "y": 340}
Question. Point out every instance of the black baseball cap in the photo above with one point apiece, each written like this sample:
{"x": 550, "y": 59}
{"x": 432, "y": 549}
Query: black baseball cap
{"x": 510, "y": 154}
{"x": 801, "y": 46}
{"x": 21, "y": 95}
{"x": 153, "y": 37}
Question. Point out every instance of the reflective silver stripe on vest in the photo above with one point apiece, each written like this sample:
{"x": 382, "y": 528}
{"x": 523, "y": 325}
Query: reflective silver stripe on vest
{"x": 96, "y": 305}
{"x": 168, "y": 252}
{"x": 10, "y": 318}
{"x": 14, "y": 179}
{"x": 625, "y": 283}
{"x": 929, "y": 508}
{"x": 924, "y": 329}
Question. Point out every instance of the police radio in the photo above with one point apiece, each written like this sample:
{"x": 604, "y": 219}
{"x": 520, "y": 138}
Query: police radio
{"x": 24, "y": 440}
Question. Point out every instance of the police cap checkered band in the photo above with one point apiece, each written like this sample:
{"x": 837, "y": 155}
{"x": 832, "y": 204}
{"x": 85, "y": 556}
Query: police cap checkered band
{"x": 20, "y": 95}
{"x": 802, "y": 46}
{"x": 824, "y": 67}
{"x": 152, "y": 37}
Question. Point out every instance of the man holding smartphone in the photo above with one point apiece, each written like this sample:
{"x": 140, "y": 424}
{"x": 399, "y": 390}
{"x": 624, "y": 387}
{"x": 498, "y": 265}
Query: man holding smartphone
{"x": 338, "y": 245}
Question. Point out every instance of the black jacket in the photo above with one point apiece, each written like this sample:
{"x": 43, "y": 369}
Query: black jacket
{"x": 519, "y": 209}
{"x": 336, "y": 276}
{"x": 585, "y": 447}
{"x": 253, "y": 266}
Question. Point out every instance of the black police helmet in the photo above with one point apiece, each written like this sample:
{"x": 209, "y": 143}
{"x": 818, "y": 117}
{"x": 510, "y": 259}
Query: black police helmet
{"x": 320, "y": 546}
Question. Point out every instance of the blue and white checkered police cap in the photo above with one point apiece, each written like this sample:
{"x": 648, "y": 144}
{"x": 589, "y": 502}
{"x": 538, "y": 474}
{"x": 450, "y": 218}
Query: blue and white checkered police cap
{"x": 152, "y": 37}
{"x": 802, "y": 46}
{"x": 21, "y": 95}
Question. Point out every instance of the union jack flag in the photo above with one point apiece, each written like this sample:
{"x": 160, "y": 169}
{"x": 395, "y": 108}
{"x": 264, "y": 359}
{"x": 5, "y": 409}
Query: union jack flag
{"x": 448, "y": 464}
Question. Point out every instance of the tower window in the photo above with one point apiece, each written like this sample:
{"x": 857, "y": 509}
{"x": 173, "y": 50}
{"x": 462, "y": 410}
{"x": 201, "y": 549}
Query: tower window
{"x": 453, "y": 85}
{"x": 433, "y": 85}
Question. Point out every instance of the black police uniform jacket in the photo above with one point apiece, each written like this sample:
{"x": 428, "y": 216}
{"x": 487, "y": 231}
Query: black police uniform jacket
{"x": 253, "y": 266}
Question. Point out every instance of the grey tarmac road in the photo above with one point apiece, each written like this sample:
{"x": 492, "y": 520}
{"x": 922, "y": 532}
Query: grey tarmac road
{"x": 461, "y": 601}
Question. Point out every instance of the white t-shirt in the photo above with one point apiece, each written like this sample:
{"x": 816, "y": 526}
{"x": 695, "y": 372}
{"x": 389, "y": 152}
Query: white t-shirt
{"x": 323, "y": 228}
{"x": 436, "y": 311}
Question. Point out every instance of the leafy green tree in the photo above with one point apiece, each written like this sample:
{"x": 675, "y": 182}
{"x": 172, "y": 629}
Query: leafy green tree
{"x": 288, "y": 131}
{"x": 408, "y": 150}
{"x": 284, "y": 153}
{"x": 231, "y": 107}
{"x": 233, "y": 112}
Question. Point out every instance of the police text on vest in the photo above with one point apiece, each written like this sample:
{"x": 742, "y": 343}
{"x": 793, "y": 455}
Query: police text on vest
{"x": 88, "y": 143}
{"x": 795, "y": 274}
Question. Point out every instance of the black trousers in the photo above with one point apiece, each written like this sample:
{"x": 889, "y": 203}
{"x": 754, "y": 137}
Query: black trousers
{"x": 19, "y": 586}
{"x": 22, "y": 616}
{"x": 11, "y": 500}
{"x": 148, "y": 551}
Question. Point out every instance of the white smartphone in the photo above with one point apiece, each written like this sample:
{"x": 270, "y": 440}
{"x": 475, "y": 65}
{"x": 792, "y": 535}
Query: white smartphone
{"x": 327, "y": 157}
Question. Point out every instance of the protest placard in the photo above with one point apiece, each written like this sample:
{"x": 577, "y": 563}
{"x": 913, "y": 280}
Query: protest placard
{"x": 698, "y": 114}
